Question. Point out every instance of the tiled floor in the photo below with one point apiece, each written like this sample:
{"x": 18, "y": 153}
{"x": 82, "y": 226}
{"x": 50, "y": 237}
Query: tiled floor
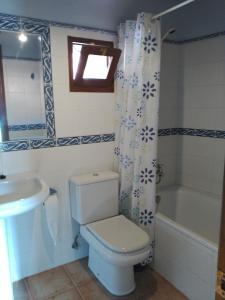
{"x": 74, "y": 281}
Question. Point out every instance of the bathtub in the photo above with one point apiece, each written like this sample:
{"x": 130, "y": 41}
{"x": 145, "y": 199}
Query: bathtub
{"x": 186, "y": 240}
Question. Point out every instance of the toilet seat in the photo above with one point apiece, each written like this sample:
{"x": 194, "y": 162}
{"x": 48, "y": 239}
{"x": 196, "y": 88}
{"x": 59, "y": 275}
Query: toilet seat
{"x": 93, "y": 234}
{"x": 119, "y": 234}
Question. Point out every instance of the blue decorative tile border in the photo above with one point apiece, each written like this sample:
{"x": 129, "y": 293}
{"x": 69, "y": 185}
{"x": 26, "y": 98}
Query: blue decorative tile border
{"x": 22, "y": 127}
{"x": 218, "y": 134}
{"x": 100, "y": 138}
{"x": 61, "y": 24}
{"x": 55, "y": 142}
{"x": 167, "y": 131}
{"x": 35, "y": 26}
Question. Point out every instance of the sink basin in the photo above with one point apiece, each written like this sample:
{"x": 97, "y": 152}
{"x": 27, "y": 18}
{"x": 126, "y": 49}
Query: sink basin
{"x": 21, "y": 193}
{"x": 18, "y": 194}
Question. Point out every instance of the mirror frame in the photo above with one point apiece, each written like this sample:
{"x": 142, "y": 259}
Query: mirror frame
{"x": 34, "y": 26}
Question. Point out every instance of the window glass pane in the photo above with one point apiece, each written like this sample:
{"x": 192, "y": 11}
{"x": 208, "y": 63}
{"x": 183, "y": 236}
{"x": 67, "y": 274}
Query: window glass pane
{"x": 76, "y": 58}
{"x": 97, "y": 67}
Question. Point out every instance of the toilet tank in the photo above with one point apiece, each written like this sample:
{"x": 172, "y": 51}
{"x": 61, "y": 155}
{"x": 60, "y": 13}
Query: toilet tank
{"x": 94, "y": 196}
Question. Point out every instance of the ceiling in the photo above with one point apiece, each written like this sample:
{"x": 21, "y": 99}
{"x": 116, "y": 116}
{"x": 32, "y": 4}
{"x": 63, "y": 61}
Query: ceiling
{"x": 199, "y": 18}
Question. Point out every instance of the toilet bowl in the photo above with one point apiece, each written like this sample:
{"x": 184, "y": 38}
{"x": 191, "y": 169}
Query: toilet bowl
{"x": 115, "y": 243}
{"x": 115, "y": 246}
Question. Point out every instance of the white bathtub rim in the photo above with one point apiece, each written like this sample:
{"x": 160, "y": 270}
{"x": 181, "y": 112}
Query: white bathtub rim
{"x": 187, "y": 233}
{"x": 182, "y": 188}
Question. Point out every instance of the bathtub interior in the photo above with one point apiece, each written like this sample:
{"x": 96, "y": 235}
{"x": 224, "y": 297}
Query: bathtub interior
{"x": 198, "y": 212}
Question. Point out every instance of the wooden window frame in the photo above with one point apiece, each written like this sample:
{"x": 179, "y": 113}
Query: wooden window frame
{"x": 95, "y": 47}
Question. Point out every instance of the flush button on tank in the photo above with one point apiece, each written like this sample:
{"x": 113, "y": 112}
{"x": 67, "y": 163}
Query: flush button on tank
{"x": 95, "y": 174}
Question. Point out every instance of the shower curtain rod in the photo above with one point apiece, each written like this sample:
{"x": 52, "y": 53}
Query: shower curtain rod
{"x": 172, "y": 9}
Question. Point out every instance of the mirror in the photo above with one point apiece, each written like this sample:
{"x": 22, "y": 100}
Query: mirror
{"x": 22, "y": 103}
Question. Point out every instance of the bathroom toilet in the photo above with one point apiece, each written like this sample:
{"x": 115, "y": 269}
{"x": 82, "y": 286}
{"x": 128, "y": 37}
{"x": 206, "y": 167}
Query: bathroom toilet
{"x": 115, "y": 243}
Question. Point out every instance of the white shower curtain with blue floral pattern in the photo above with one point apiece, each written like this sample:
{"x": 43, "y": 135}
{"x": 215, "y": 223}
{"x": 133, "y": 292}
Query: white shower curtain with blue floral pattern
{"x": 137, "y": 119}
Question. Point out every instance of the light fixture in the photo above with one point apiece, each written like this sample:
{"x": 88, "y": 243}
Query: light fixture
{"x": 22, "y": 37}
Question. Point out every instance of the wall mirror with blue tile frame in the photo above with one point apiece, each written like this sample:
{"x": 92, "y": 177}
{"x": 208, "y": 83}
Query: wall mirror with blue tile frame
{"x": 26, "y": 97}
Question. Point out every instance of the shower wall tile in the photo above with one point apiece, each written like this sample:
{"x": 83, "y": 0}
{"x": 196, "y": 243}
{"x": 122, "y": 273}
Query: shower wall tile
{"x": 208, "y": 96}
{"x": 168, "y": 118}
{"x": 169, "y": 85}
{"x": 192, "y": 95}
{"x": 168, "y": 96}
{"x": 168, "y": 110}
{"x": 210, "y": 50}
{"x": 167, "y": 156}
{"x": 200, "y": 163}
{"x": 201, "y": 104}
{"x": 204, "y": 118}
{"x": 205, "y": 147}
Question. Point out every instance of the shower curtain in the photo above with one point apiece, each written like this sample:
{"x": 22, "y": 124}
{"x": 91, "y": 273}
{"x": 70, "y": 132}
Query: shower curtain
{"x": 137, "y": 120}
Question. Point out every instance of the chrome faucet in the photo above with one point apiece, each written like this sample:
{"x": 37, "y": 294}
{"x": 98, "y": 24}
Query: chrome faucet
{"x": 159, "y": 173}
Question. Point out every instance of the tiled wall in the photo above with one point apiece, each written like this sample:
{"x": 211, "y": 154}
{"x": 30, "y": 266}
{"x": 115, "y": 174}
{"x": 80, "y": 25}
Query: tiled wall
{"x": 76, "y": 114}
{"x": 168, "y": 109}
{"x": 200, "y": 105}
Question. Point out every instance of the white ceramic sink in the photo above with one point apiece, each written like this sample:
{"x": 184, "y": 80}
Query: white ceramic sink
{"x": 18, "y": 194}
{"x": 21, "y": 193}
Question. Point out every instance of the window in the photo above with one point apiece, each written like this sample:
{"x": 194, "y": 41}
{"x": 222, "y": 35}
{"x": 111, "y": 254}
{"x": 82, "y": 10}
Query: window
{"x": 92, "y": 64}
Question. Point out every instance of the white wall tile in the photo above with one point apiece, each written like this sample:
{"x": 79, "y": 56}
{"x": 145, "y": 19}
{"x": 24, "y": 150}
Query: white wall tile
{"x": 30, "y": 238}
{"x": 77, "y": 113}
{"x": 210, "y": 50}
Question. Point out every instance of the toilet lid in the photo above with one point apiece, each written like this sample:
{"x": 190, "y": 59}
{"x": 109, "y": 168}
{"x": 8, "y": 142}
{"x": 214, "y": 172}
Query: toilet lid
{"x": 119, "y": 234}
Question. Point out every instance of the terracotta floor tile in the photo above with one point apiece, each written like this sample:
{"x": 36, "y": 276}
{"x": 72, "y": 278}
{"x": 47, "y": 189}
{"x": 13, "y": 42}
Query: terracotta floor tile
{"x": 20, "y": 291}
{"x": 151, "y": 286}
{"x": 79, "y": 271}
{"x": 56, "y": 284}
{"x": 93, "y": 290}
{"x": 49, "y": 283}
{"x": 69, "y": 295}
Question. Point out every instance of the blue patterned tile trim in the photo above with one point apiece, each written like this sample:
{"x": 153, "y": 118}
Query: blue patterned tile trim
{"x": 15, "y": 146}
{"x": 35, "y": 26}
{"x": 69, "y": 141}
{"x": 61, "y": 24}
{"x": 90, "y": 139}
{"x": 55, "y": 142}
{"x": 107, "y": 137}
{"x": 42, "y": 143}
{"x": 219, "y": 134}
{"x": 101, "y": 138}
{"x": 167, "y": 131}
{"x": 26, "y": 127}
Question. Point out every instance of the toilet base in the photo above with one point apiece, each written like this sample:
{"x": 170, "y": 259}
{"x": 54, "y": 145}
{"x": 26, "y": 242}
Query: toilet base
{"x": 117, "y": 280}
